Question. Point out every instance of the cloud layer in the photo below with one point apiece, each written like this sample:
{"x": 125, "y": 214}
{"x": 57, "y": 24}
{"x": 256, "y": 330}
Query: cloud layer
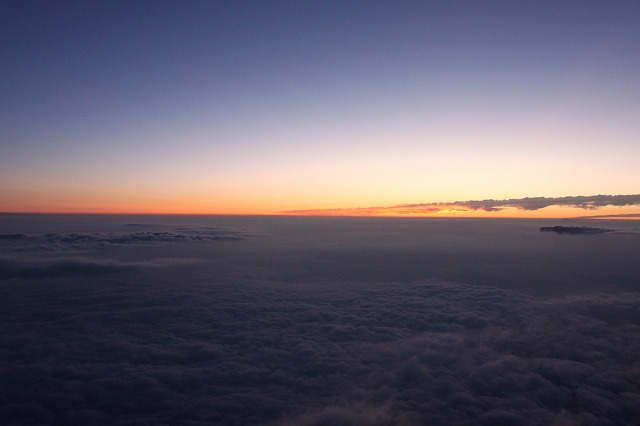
{"x": 527, "y": 204}
{"x": 304, "y": 353}
{"x": 79, "y": 266}
{"x": 321, "y": 321}
{"x": 95, "y": 240}
{"x": 575, "y": 230}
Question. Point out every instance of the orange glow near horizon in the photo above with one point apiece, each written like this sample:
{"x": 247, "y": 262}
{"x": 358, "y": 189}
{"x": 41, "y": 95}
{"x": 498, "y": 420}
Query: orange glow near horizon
{"x": 164, "y": 205}
{"x": 552, "y": 212}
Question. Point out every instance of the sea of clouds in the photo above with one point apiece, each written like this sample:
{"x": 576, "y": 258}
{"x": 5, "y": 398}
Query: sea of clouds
{"x": 314, "y": 353}
{"x": 174, "y": 338}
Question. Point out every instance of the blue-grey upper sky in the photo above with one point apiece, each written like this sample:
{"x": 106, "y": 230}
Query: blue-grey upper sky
{"x": 267, "y": 106}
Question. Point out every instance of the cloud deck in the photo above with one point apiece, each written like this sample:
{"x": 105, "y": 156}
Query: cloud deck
{"x": 314, "y": 325}
{"x": 256, "y": 353}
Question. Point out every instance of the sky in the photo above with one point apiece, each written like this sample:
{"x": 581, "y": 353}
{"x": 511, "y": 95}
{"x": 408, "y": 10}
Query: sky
{"x": 250, "y": 107}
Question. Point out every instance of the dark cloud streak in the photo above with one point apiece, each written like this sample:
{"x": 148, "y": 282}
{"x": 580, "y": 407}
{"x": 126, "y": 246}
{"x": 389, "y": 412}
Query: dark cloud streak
{"x": 575, "y": 230}
{"x": 13, "y": 237}
{"x": 79, "y": 266}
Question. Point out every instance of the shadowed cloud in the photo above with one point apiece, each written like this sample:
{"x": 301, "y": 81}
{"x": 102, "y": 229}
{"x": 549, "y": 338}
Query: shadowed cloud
{"x": 84, "y": 241}
{"x": 79, "y": 266}
{"x": 324, "y": 321}
{"x": 575, "y": 230}
{"x": 13, "y": 237}
{"x": 327, "y": 353}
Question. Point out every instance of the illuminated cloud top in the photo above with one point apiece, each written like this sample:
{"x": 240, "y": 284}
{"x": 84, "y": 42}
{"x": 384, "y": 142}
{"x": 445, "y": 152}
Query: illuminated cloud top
{"x": 529, "y": 203}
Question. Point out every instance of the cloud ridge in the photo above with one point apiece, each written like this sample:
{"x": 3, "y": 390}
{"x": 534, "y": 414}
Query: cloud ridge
{"x": 592, "y": 202}
{"x": 57, "y": 241}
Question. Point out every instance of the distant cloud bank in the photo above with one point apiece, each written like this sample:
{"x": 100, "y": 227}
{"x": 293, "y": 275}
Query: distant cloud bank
{"x": 79, "y": 266}
{"x": 592, "y": 202}
{"x": 84, "y": 241}
{"x": 575, "y": 230}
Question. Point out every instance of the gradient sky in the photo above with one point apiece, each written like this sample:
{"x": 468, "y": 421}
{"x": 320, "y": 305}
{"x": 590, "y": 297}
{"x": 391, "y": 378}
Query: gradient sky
{"x": 263, "y": 107}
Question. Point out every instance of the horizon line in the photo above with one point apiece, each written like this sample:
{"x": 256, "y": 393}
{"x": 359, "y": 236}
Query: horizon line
{"x": 566, "y": 207}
